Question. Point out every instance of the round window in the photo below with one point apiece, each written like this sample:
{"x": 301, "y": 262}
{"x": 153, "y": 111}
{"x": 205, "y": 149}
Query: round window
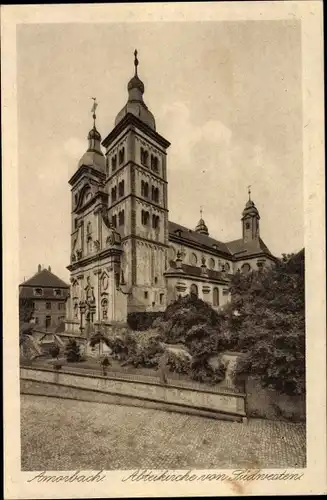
{"x": 211, "y": 263}
{"x": 227, "y": 267}
{"x": 193, "y": 259}
{"x": 246, "y": 268}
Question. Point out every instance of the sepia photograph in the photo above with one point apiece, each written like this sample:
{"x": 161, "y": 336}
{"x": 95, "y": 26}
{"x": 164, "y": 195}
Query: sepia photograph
{"x": 161, "y": 294}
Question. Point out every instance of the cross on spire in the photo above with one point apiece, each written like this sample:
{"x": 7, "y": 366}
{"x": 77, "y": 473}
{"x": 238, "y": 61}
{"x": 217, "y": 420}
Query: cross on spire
{"x": 201, "y": 211}
{"x": 249, "y": 191}
{"x": 136, "y": 61}
{"x": 94, "y": 107}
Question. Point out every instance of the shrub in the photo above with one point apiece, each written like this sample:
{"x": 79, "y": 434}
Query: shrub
{"x": 73, "y": 353}
{"x": 54, "y": 351}
{"x": 140, "y": 321}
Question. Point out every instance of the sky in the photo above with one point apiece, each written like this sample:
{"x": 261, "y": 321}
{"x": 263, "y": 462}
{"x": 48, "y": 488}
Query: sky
{"x": 227, "y": 95}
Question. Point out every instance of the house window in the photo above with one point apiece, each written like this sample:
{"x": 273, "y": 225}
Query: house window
{"x": 34, "y": 305}
{"x": 114, "y": 220}
{"x": 48, "y": 305}
{"x": 114, "y": 163}
{"x": 61, "y": 306}
{"x": 57, "y": 292}
{"x": 161, "y": 297}
{"x": 215, "y": 301}
{"x": 194, "y": 290}
{"x": 121, "y": 188}
{"x": 146, "y": 295}
{"x": 246, "y": 268}
{"x": 113, "y": 194}
{"x": 121, "y": 156}
{"x": 38, "y": 292}
{"x": 61, "y": 319}
{"x": 247, "y": 225}
{"x": 121, "y": 218}
{"x": 47, "y": 321}
{"x": 225, "y": 291}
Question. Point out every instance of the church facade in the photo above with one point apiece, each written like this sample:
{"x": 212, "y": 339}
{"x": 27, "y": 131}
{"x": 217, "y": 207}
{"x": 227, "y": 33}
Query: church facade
{"x": 126, "y": 256}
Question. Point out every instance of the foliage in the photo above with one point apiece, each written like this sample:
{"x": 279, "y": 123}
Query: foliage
{"x": 54, "y": 351}
{"x": 178, "y": 363}
{"x": 146, "y": 353}
{"x": 194, "y": 323}
{"x": 26, "y": 309}
{"x": 140, "y": 321}
{"x": 72, "y": 351}
{"x": 121, "y": 344}
{"x": 266, "y": 320}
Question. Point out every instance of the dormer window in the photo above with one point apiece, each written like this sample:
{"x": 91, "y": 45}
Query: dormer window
{"x": 178, "y": 232}
{"x": 57, "y": 292}
{"x": 38, "y": 292}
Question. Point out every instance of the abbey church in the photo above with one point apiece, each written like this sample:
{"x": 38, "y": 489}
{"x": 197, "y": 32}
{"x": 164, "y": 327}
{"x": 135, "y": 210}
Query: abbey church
{"x": 126, "y": 256}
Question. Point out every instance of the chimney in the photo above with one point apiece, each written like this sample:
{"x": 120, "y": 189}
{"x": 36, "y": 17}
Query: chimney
{"x": 49, "y": 269}
{"x": 39, "y": 268}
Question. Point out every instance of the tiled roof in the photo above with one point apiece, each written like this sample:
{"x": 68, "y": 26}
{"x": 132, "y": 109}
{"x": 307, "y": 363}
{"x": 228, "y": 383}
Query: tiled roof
{"x": 236, "y": 249}
{"x": 240, "y": 249}
{"x": 45, "y": 278}
{"x": 193, "y": 237}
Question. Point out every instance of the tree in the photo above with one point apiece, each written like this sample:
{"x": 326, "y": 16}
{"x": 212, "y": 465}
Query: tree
{"x": 266, "y": 320}
{"x": 26, "y": 309}
{"x": 73, "y": 353}
{"x": 54, "y": 351}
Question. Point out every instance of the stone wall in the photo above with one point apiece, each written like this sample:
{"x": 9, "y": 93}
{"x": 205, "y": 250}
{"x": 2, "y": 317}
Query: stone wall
{"x": 270, "y": 404}
{"x": 140, "y": 393}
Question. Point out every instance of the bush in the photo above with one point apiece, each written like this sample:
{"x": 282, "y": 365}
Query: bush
{"x": 178, "y": 363}
{"x": 54, "y": 351}
{"x": 73, "y": 353}
{"x": 146, "y": 355}
{"x": 140, "y": 321}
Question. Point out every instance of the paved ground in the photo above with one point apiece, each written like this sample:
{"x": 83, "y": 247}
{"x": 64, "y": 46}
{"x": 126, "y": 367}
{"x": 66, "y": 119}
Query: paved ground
{"x": 60, "y": 434}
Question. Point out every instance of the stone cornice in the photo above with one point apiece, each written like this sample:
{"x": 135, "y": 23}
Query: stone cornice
{"x": 86, "y": 170}
{"x": 183, "y": 275}
{"x": 131, "y": 119}
{"x": 108, "y": 252}
{"x": 139, "y": 238}
{"x": 142, "y": 168}
{"x": 198, "y": 246}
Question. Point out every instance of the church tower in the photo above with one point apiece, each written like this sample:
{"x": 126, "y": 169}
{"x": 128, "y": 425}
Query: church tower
{"x": 250, "y": 222}
{"x": 136, "y": 183}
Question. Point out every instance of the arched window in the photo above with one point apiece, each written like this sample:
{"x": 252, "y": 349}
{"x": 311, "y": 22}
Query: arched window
{"x": 227, "y": 267}
{"x": 121, "y": 218}
{"x": 121, "y": 188}
{"x": 144, "y": 157}
{"x": 154, "y": 163}
{"x": 193, "y": 259}
{"x": 246, "y": 268}
{"x": 211, "y": 263}
{"x": 113, "y": 194}
{"x": 76, "y": 310}
{"x": 114, "y": 163}
{"x": 145, "y": 217}
{"x": 104, "y": 308}
{"x": 155, "y": 221}
{"x": 215, "y": 301}
{"x": 155, "y": 194}
{"x": 142, "y": 188}
{"x": 146, "y": 190}
{"x": 114, "y": 220}
{"x": 121, "y": 156}
{"x": 194, "y": 290}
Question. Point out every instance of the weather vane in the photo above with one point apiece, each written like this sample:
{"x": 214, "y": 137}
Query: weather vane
{"x": 93, "y": 110}
{"x": 136, "y": 61}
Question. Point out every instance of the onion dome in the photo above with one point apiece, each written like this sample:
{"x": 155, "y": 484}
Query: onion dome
{"x": 250, "y": 208}
{"x": 201, "y": 226}
{"x": 135, "y": 104}
{"x": 94, "y": 157}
